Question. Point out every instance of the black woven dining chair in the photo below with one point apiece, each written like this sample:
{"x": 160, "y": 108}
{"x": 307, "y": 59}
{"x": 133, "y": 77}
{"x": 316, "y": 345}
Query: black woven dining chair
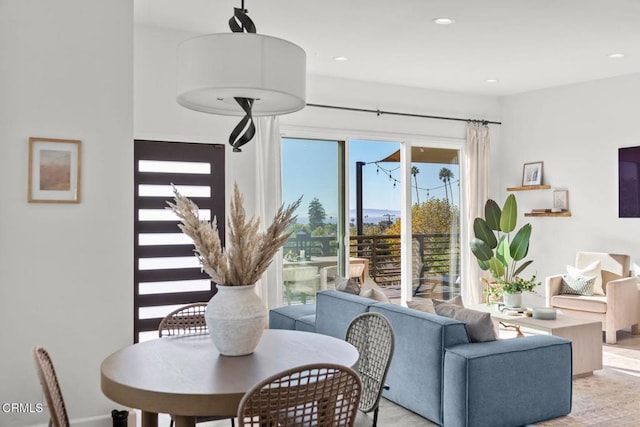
{"x": 316, "y": 395}
{"x": 372, "y": 335}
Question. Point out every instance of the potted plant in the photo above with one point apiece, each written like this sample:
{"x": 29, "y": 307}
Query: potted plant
{"x": 235, "y": 315}
{"x": 502, "y": 253}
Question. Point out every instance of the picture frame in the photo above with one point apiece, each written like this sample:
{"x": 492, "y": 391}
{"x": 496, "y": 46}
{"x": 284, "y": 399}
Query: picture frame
{"x": 54, "y": 170}
{"x": 561, "y": 200}
{"x": 532, "y": 174}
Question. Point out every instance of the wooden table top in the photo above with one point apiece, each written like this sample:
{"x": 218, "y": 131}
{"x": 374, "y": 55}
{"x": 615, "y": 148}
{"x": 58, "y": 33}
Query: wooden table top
{"x": 561, "y": 321}
{"x": 187, "y": 376}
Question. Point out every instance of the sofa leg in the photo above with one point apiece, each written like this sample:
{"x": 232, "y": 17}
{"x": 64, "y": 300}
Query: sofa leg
{"x": 610, "y": 336}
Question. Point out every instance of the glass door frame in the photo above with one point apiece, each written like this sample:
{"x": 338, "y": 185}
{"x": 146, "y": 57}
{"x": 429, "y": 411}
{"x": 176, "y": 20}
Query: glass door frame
{"x": 406, "y": 255}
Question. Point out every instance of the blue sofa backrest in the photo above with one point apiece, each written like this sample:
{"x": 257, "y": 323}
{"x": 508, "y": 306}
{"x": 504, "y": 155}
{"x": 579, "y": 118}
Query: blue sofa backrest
{"x": 335, "y": 310}
{"x": 416, "y": 373}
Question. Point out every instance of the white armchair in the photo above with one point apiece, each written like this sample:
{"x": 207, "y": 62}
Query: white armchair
{"x": 617, "y": 309}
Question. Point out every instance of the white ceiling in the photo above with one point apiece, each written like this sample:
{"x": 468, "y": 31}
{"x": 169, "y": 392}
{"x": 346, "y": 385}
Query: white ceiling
{"x": 524, "y": 44}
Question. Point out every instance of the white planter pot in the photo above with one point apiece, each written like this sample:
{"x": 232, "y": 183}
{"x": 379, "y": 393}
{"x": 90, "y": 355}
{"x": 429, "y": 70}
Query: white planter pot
{"x": 236, "y": 318}
{"x": 512, "y": 300}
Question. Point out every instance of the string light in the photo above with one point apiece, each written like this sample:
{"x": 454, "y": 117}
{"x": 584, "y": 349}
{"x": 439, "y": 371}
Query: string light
{"x": 396, "y": 181}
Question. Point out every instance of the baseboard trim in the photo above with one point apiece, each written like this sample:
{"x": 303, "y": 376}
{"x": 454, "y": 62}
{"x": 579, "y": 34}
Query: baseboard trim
{"x": 97, "y": 421}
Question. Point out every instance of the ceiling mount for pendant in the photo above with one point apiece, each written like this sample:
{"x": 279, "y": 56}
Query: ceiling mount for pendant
{"x": 241, "y": 74}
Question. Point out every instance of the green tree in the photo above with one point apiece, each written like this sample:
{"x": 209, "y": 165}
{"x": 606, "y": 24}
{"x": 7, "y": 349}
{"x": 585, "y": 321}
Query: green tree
{"x": 432, "y": 216}
{"x": 316, "y": 213}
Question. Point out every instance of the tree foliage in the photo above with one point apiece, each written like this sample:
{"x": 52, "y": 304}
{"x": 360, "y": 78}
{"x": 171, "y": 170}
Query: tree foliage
{"x": 316, "y": 213}
{"x": 432, "y": 216}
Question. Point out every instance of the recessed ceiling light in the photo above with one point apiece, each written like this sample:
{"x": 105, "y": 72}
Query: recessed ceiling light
{"x": 491, "y": 81}
{"x": 615, "y": 55}
{"x": 340, "y": 58}
{"x": 444, "y": 21}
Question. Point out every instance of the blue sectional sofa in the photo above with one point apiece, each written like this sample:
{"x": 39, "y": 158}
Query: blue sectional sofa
{"x": 438, "y": 373}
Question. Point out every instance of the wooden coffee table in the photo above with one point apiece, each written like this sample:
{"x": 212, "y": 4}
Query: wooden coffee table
{"x": 584, "y": 334}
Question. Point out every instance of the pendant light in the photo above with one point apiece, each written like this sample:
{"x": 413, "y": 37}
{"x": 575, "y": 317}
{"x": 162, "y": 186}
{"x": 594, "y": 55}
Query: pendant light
{"x": 241, "y": 74}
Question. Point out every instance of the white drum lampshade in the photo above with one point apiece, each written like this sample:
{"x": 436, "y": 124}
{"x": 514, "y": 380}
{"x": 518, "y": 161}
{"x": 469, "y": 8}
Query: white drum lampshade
{"x": 214, "y": 69}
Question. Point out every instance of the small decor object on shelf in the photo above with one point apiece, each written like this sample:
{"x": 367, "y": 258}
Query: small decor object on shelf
{"x": 235, "y": 315}
{"x": 499, "y": 253}
{"x": 532, "y": 174}
{"x": 54, "y": 170}
{"x": 561, "y": 200}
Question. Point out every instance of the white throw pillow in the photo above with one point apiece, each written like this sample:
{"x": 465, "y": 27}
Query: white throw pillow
{"x": 593, "y": 269}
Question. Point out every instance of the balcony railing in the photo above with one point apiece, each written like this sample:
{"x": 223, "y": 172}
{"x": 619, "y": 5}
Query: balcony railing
{"x": 433, "y": 254}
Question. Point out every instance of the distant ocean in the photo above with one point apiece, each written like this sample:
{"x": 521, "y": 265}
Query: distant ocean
{"x": 373, "y": 216}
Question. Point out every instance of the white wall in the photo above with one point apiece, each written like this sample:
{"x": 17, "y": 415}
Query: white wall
{"x": 576, "y": 131}
{"x": 65, "y": 269}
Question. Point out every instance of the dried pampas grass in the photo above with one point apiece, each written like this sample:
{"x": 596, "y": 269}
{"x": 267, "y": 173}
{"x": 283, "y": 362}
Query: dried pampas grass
{"x": 248, "y": 251}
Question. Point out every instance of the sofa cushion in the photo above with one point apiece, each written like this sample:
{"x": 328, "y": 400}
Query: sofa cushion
{"x": 348, "y": 285}
{"x": 592, "y": 269}
{"x": 593, "y": 304}
{"x": 374, "y": 294}
{"x": 306, "y": 323}
{"x": 577, "y": 285}
{"x": 285, "y": 317}
{"x": 479, "y": 325}
{"x": 532, "y": 375}
{"x": 426, "y": 304}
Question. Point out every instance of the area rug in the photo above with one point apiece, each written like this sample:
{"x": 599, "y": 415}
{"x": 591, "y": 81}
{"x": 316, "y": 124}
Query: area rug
{"x": 611, "y": 396}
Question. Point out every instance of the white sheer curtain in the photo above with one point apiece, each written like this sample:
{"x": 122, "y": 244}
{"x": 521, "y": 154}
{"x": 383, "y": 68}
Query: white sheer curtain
{"x": 268, "y": 199}
{"x": 477, "y": 179}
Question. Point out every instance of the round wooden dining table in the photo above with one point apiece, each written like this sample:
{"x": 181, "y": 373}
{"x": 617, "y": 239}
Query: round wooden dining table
{"x": 186, "y": 376}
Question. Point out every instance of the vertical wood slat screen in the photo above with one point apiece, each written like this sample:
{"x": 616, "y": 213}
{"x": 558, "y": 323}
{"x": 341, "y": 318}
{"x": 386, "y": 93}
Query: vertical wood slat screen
{"x": 166, "y": 272}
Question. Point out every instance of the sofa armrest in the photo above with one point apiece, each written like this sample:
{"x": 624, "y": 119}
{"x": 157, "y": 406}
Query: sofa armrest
{"x": 552, "y": 287}
{"x": 623, "y": 300}
{"x": 533, "y": 374}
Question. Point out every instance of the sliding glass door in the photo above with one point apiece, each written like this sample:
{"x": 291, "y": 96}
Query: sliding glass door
{"x": 435, "y": 222}
{"x": 314, "y": 170}
{"x": 389, "y": 183}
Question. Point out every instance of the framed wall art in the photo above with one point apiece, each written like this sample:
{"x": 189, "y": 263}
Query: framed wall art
{"x": 54, "y": 170}
{"x": 532, "y": 174}
{"x": 561, "y": 200}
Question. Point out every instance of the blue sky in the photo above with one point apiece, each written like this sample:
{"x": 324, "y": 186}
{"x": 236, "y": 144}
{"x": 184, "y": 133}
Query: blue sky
{"x": 309, "y": 168}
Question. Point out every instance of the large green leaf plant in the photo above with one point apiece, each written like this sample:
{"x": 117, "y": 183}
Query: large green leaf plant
{"x": 500, "y": 251}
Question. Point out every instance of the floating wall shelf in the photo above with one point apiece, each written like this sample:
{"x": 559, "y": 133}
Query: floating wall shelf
{"x": 529, "y": 187}
{"x": 547, "y": 214}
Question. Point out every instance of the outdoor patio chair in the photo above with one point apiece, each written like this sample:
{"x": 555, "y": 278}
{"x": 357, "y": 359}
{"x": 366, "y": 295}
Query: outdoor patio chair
{"x": 372, "y": 335}
{"x": 316, "y": 395}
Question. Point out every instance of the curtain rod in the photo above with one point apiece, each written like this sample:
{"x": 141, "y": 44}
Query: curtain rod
{"x": 393, "y": 113}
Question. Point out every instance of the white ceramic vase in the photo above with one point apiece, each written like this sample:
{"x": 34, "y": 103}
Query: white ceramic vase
{"x": 236, "y": 318}
{"x": 512, "y": 300}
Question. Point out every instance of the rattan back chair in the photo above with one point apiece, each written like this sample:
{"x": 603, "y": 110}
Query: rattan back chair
{"x": 188, "y": 320}
{"x": 51, "y": 388}
{"x": 372, "y": 335}
{"x": 316, "y": 395}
